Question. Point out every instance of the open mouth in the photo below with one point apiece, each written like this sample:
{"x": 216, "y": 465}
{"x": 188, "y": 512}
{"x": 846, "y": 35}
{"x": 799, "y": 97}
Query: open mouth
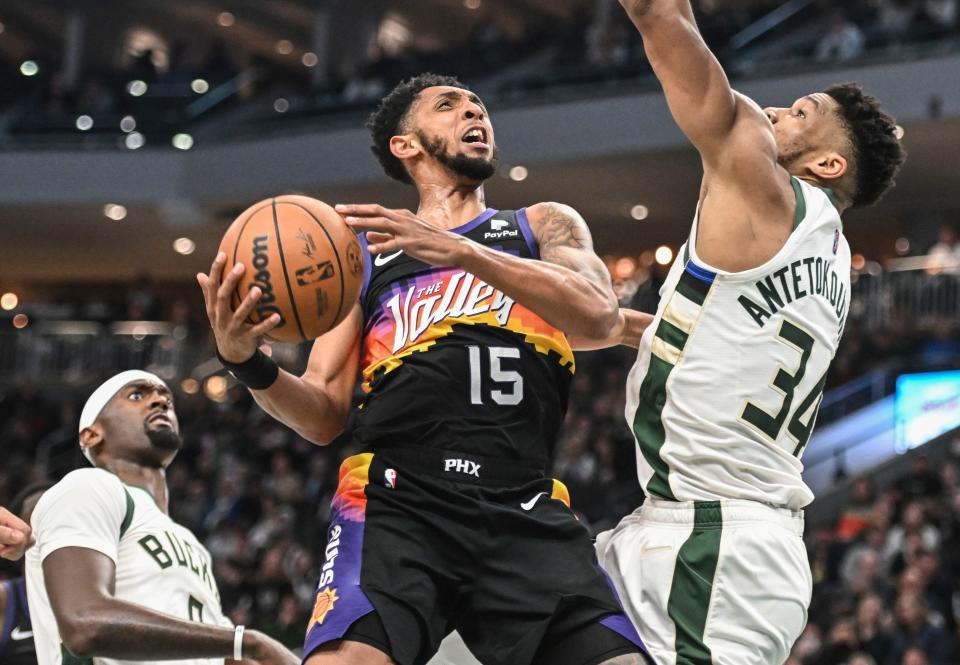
{"x": 160, "y": 418}
{"x": 476, "y": 136}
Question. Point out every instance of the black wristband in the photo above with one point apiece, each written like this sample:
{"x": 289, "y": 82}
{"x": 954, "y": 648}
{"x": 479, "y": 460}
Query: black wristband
{"x": 257, "y": 373}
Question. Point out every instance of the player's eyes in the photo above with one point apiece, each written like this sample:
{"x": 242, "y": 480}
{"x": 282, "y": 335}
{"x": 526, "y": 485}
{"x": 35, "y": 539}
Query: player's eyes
{"x": 801, "y": 113}
{"x": 444, "y": 105}
{"x": 136, "y": 395}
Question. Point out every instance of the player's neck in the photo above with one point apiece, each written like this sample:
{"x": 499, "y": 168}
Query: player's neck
{"x": 449, "y": 205}
{"x": 149, "y": 478}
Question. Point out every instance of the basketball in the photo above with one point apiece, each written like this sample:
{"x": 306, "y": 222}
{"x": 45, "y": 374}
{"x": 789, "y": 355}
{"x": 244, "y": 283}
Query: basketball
{"x": 304, "y": 259}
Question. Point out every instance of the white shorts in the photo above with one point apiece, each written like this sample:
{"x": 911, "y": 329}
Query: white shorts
{"x": 711, "y": 583}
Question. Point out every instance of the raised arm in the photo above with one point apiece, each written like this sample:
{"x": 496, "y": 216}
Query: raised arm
{"x": 570, "y": 288}
{"x": 92, "y": 622}
{"x": 316, "y": 404}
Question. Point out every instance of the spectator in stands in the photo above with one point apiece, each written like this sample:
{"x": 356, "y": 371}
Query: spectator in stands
{"x": 938, "y": 17}
{"x": 844, "y": 40}
{"x": 915, "y": 629}
{"x": 894, "y": 18}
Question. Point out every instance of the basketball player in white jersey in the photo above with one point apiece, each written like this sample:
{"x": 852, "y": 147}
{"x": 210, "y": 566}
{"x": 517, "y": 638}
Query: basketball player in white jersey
{"x": 112, "y": 579}
{"x": 725, "y": 390}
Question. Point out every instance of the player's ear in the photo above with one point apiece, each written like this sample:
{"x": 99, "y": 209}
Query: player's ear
{"x": 830, "y": 165}
{"x": 91, "y": 436}
{"x": 405, "y": 146}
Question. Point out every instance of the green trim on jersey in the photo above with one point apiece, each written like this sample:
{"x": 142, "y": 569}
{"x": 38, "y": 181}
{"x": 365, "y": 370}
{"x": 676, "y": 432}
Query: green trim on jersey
{"x": 692, "y": 585}
{"x": 128, "y": 516}
{"x": 671, "y": 334}
{"x": 68, "y": 658}
{"x": 648, "y": 425}
{"x": 690, "y": 293}
{"x": 832, "y": 197}
{"x": 801, "y": 210}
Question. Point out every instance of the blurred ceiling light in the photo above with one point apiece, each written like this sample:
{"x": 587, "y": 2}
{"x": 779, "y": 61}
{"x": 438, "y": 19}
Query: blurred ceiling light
{"x": 216, "y": 388}
{"x": 115, "y": 211}
{"x": 902, "y": 245}
{"x": 519, "y": 173}
{"x": 84, "y": 123}
{"x": 858, "y": 261}
{"x": 190, "y": 386}
{"x": 20, "y": 321}
{"x": 899, "y": 131}
{"x": 284, "y": 47}
{"x": 9, "y": 301}
{"x": 184, "y": 246}
{"x": 29, "y": 68}
{"x": 225, "y": 19}
{"x": 136, "y": 88}
{"x": 199, "y": 86}
{"x": 624, "y": 267}
{"x": 134, "y": 140}
{"x": 663, "y": 255}
{"x": 309, "y": 59}
{"x": 128, "y": 123}
{"x": 182, "y": 141}
{"x": 472, "y": 4}
{"x": 639, "y": 212}
{"x": 281, "y": 105}
{"x": 394, "y": 34}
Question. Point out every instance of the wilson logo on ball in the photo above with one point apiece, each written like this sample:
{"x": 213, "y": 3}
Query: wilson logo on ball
{"x": 261, "y": 262}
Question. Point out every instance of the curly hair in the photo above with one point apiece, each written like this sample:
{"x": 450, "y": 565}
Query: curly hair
{"x": 388, "y": 119}
{"x": 877, "y": 152}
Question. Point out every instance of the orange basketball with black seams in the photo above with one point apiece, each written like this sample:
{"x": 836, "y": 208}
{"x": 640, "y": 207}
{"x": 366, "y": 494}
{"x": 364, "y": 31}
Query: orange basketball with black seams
{"x": 305, "y": 260}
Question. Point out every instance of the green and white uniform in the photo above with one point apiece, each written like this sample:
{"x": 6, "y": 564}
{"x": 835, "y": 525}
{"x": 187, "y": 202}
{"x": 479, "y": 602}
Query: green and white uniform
{"x": 721, "y": 401}
{"x": 160, "y": 565}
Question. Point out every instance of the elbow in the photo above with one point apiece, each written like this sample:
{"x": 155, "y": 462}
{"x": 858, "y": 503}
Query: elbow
{"x": 603, "y": 320}
{"x": 323, "y": 434}
{"x": 82, "y": 638}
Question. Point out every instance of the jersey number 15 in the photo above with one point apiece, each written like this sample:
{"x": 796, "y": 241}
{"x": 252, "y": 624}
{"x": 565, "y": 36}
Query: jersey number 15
{"x": 509, "y": 390}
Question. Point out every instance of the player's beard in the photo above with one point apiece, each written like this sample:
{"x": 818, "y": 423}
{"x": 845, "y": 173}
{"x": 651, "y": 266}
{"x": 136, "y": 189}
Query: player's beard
{"x": 164, "y": 438}
{"x": 473, "y": 168}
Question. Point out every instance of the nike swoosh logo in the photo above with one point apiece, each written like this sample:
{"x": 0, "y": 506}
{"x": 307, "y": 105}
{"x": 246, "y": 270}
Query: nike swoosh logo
{"x": 17, "y": 634}
{"x": 381, "y": 260}
{"x": 528, "y": 505}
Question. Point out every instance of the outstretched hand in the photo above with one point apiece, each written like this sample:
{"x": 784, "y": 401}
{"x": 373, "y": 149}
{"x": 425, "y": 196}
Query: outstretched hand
{"x": 236, "y": 337}
{"x": 389, "y": 231}
{"x": 15, "y": 535}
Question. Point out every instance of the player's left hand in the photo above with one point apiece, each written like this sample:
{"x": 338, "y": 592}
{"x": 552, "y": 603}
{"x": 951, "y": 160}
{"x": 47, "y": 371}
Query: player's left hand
{"x": 390, "y": 231}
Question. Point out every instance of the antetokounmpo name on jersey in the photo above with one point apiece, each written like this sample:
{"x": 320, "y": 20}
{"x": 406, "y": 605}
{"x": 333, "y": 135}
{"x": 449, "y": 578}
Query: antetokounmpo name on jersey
{"x": 800, "y": 279}
{"x": 462, "y": 295}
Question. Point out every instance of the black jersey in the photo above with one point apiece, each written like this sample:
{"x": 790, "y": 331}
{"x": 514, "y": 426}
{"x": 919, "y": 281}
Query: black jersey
{"x": 16, "y": 638}
{"x": 451, "y": 362}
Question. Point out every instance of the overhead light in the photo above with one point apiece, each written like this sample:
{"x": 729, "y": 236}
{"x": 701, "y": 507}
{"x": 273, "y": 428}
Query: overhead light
{"x": 216, "y": 388}
{"x": 519, "y": 173}
{"x": 84, "y": 123}
{"x": 472, "y": 4}
{"x": 136, "y": 88}
{"x": 29, "y": 68}
{"x": 114, "y": 211}
{"x": 225, "y": 19}
{"x": 624, "y": 267}
{"x": 20, "y": 321}
{"x": 182, "y": 141}
{"x": 134, "y": 140}
{"x": 284, "y": 47}
{"x": 199, "y": 86}
{"x": 281, "y": 105}
{"x": 899, "y": 131}
{"x": 190, "y": 386}
{"x": 184, "y": 246}
{"x": 309, "y": 59}
{"x": 128, "y": 123}
{"x": 902, "y": 245}
{"x": 858, "y": 261}
{"x": 9, "y": 301}
{"x": 663, "y": 255}
{"x": 639, "y": 212}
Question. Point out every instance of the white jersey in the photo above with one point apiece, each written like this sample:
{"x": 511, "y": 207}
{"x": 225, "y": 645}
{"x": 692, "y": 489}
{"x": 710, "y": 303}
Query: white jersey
{"x": 728, "y": 379}
{"x": 159, "y": 564}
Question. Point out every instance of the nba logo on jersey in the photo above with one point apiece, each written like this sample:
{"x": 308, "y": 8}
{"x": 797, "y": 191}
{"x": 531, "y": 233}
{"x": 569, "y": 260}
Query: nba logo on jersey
{"x": 836, "y": 240}
{"x": 390, "y": 478}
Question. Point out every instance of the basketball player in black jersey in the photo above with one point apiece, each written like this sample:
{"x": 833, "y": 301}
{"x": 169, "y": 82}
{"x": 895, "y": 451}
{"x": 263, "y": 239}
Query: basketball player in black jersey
{"x": 16, "y": 631}
{"x": 461, "y": 340}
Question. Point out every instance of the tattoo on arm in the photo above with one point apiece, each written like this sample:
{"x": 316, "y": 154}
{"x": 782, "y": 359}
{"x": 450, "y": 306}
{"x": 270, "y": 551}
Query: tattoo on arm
{"x": 559, "y": 228}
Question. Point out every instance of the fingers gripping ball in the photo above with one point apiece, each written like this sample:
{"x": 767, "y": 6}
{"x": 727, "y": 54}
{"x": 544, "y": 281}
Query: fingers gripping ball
{"x": 303, "y": 257}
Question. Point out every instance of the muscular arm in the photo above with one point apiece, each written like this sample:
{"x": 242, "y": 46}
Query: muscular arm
{"x": 626, "y": 332}
{"x": 92, "y": 622}
{"x": 316, "y": 405}
{"x": 570, "y": 287}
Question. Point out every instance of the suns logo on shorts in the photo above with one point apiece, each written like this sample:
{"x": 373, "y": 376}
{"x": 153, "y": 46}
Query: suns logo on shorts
{"x": 323, "y": 606}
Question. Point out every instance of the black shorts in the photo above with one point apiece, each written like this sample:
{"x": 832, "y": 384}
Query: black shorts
{"x": 438, "y": 541}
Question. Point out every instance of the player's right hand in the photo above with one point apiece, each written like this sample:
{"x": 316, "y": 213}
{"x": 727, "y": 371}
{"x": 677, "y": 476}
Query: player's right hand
{"x": 15, "y": 535}
{"x": 236, "y": 337}
{"x": 267, "y": 651}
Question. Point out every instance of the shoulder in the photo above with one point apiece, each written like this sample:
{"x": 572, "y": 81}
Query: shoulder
{"x": 79, "y": 488}
{"x": 558, "y": 224}
{"x": 547, "y": 211}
